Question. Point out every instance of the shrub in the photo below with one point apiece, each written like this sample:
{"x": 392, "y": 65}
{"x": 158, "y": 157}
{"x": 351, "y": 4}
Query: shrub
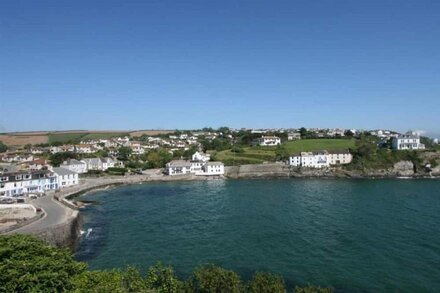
{"x": 266, "y": 283}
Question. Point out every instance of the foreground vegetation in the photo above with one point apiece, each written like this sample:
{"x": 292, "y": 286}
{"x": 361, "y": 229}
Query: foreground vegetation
{"x": 30, "y": 265}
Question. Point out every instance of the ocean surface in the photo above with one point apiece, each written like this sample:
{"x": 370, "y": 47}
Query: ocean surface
{"x": 353, "y": 235}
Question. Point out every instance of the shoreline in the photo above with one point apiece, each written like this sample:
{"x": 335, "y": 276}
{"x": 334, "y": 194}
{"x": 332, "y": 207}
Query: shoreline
{"x": 57, "y": 235}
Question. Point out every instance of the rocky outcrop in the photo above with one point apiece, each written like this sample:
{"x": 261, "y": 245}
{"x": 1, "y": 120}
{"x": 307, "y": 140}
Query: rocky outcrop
{"x": 403, "y": 168}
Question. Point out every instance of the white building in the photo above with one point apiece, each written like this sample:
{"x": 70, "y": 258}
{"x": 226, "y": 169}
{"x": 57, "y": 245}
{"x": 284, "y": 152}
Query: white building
{"x": 267, "y": 141}
{"x": 25, "y": 182}
{"x": 293, "y": 136}
{"x": 65, "y": 177}
{"x": 407, "y": 142}
{"x": 75, "y": 166}
{"x": 320, "y": 159}
{"x": 199, "y": 165}
{"x": 339, "y": 157}
{"x": 213, "y": 168}
{"x": 178, "y": 167}
{"x": 199, "y": 156}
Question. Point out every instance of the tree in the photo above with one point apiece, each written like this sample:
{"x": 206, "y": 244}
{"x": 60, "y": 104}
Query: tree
{"x": 28, "y": 147}
{"x": 211, "y": 278}
{"x": 303, "y": 132}
{"x": 30, "y": 265}
{"x": 161, "y": 279}
{"x": 58, "y": 158}
{"x": 3, "y": 147}
{"x": 348, "y": 133}
{"x": 124, "y": 153}
{"x": 266, "y": 283}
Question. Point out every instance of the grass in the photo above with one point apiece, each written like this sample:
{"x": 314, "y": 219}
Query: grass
{"x": 258, "y": 155}
{"x": 307, "y": 145}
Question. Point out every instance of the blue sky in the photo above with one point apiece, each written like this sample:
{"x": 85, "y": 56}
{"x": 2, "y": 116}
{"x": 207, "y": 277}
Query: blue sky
{"x": 190, "y": 64}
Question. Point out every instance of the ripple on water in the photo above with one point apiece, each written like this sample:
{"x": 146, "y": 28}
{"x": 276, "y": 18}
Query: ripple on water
{"x": 354, "y": 235}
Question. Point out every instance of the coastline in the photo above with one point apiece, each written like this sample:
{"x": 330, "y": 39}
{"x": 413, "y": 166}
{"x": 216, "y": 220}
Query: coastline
{"x": 66, "y": 232}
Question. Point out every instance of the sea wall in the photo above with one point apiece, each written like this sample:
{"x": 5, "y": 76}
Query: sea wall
{"x": 279, "y": 170}
{"x": 62, "y": 235}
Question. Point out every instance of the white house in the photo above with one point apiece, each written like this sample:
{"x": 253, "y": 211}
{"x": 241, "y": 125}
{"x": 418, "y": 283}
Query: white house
{"x": 75, "y": 166}
{"x": 407, "y": 142}
{"x": 267, "y": 141}
{"x": 178, "y": 167}
{"x": 93, "y": 164}
{"x": 25, "y": 182}
{"x": 213, "y": 168}
{"x": 199, "y": 156}
{"x": 310, "y": 159}
{"x": 293, "y": 136}
{"x": 65, "y": 177}
{"x": 339, "y": 157}
{"x": 320, "y": 159}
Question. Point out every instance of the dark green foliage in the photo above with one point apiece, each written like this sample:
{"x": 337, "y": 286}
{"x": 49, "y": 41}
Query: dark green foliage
{"x": 124, "y": 153}
{"x": 58, "y": 158}
{"x": 211, "y": 278}
{"x": 158, "y": 159}
{"x": 3, "y": 147}
{"x": 266, "y": 283}
{"x": 161, "y": 279}
{"x": 30, "y": 265}
{"x": 116, "y": 171}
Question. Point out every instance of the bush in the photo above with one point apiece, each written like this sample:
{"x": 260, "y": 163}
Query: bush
{"x": 28, "y": 264}
{"x": 116, "y": 171}
{"x": 211, "y": 278}
{"x": 266, "y": 283}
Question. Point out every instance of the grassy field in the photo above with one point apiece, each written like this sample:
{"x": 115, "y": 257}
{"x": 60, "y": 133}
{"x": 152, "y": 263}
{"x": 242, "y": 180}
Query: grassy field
{"x": 258, "y": 155}
{"x": 306, "y": 145}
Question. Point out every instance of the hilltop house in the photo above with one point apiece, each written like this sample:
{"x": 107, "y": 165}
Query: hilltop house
{"x": 267, "y": 141}
{"x": 199, "y": 156}
{"x": 407, "y": 142}
{"x": 293, "y": 136}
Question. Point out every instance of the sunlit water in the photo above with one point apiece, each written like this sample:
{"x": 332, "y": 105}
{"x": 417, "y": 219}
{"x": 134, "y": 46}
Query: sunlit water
{"x": 353, "y": 235}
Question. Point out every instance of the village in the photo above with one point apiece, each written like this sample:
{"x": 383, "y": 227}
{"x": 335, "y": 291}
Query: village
{"x": 32, "y": 170}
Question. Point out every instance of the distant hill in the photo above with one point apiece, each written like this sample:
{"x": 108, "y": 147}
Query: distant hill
{"x": 18, "y": 139}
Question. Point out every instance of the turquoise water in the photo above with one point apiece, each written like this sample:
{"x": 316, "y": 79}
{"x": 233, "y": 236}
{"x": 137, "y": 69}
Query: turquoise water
{"x": 353, "y": 235}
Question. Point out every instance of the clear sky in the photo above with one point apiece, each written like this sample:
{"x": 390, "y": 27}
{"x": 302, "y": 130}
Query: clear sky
{"x": 189, "y": 64}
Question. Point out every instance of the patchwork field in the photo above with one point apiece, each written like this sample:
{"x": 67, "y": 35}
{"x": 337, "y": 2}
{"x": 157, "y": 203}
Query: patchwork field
{"x": 258, "y": 155}
{"x": 18, "y": 139}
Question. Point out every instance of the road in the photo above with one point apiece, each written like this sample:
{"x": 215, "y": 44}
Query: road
{"x": 55, "y": 213}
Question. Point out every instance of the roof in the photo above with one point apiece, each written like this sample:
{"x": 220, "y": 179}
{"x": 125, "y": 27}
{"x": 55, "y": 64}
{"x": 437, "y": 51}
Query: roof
{"x": 214, "y": 163}
{"x": 72, "y": 162}
{"x": 63, "y": 171}
{"x": 179, "y": 163}
{"x": 406, "y": 136}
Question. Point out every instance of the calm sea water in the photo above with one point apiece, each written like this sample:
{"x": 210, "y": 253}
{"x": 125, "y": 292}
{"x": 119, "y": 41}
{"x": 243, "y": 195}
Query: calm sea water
{"x": 353, "y": 235}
